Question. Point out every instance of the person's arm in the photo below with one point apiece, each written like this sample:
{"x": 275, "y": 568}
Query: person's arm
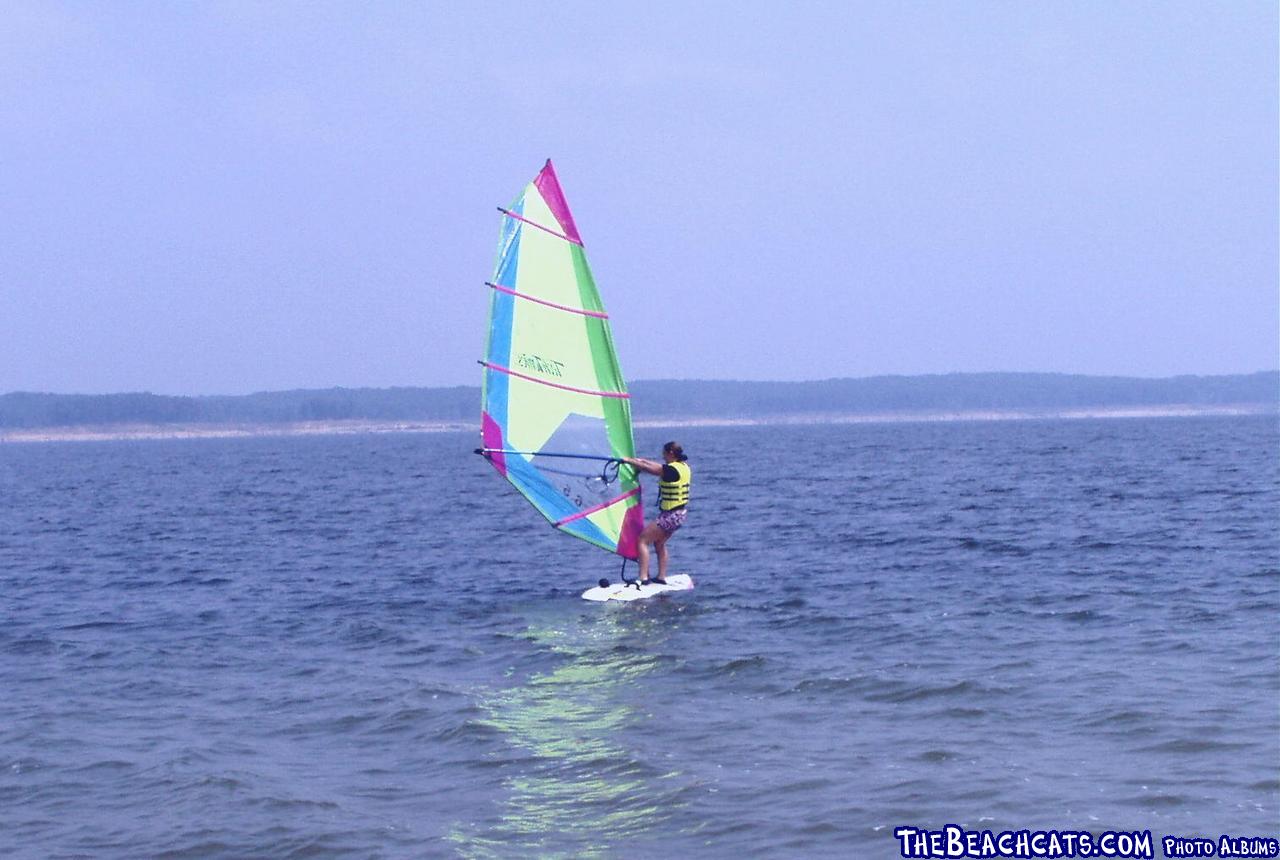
{"x": 644, "y": 465}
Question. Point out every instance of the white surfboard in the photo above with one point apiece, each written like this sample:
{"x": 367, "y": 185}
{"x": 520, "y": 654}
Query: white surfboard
{"x": 622, "y": 591}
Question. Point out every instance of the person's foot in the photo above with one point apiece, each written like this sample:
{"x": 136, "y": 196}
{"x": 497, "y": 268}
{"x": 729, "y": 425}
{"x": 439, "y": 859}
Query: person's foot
{"x": 659, "y": 580}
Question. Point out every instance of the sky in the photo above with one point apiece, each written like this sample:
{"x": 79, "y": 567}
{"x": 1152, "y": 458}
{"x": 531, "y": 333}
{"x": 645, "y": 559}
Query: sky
{"x": 219, "y": 198}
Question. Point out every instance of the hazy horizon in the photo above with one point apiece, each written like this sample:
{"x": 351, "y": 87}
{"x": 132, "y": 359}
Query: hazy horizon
{"x": 228, "y": 198}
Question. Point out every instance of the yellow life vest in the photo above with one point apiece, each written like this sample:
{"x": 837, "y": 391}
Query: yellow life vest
{"x": 675, "y": 494}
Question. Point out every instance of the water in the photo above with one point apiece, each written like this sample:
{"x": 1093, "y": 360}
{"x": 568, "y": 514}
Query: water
{"x": 370, "y": 647}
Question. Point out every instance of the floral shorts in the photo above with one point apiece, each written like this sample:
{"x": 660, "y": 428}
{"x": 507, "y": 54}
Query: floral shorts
{"x": 669, "y": 521}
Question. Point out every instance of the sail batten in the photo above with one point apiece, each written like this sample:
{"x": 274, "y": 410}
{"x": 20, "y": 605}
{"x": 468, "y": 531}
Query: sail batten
{"x": 582, "y": 311}
{"x": 589, "y": 511}
{"x": 554, "y": 401}
{"x": 551, "y": 384}
{"x": 543, "y": 227}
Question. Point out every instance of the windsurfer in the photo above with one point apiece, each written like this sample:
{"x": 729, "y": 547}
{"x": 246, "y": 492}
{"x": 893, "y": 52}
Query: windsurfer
{"x": 674, "y": 476}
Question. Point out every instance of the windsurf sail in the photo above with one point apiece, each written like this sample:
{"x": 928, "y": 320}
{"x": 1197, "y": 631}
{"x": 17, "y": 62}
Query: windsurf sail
{"x": 555, "y": 415}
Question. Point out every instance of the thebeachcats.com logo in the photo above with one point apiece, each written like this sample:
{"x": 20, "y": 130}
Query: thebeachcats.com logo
{"x": 954, "y": 841}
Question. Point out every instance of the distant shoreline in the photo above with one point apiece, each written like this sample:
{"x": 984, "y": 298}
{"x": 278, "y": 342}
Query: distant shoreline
{"x": 36, "y": 416}
{"x": 142, "y": 432}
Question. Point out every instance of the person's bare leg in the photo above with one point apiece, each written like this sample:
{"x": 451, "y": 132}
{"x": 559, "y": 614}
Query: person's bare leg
{"x": 661, "y": 547}
{"x": 651, "y": 534}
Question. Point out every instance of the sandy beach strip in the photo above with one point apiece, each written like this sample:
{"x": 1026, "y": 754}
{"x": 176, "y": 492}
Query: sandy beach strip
{"x": 127, "y": 432}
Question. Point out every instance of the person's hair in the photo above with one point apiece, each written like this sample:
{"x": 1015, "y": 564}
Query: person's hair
{"x": 674, "y": 448}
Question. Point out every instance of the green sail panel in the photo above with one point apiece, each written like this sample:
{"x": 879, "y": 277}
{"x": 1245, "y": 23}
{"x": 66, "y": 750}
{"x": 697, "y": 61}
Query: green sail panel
{"x": 555, "y": 413}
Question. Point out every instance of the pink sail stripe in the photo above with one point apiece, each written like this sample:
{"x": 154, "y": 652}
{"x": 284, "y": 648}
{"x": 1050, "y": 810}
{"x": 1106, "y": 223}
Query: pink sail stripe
{"x": 491, "y": 435}
{"x": 600, "y": 507}
{"x": 632, "y": 526}
{"x": 510, "y": 372}
{"x": 548, "y": 185}
{"x": 556, "y": 233}
{"x": 509, "y": 291}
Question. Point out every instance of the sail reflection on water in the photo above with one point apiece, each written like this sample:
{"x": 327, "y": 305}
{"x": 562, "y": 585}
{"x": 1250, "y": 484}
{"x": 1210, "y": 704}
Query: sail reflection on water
{"x": 580, "y": 790}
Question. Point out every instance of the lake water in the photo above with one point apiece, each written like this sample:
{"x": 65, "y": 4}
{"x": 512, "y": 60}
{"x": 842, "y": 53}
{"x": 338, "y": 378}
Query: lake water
{"x": 369, "y": 646}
